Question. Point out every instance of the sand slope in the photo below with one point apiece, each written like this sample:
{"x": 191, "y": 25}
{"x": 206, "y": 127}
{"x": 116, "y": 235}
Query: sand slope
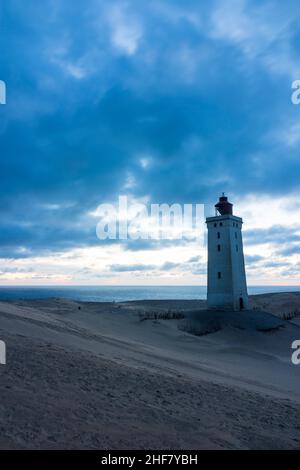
{"x": 103, "y": 376}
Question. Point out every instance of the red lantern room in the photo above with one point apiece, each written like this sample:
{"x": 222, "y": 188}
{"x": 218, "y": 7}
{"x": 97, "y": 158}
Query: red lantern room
{"x": 223, "y": 207}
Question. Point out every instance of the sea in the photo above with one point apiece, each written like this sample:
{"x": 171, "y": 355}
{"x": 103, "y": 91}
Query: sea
{"x": 121, "y": 293}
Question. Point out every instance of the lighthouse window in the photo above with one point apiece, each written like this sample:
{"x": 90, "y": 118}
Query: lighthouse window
{"x": 221, "y": 224}
{"x": 219, "y": 275}
{"x": 215, "y": 225}
{"x": 219, "y": 247}
{"x": 219, "y": 235}
{"x": 237, "y": 248}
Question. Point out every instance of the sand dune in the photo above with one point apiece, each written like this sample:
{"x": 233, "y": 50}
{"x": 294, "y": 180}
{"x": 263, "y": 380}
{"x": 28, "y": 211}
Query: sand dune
{"x": 119, "y": 375}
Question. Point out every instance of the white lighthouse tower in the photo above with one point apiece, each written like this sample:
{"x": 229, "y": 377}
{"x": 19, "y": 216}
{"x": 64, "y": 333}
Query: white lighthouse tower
{"x": 226, "y": 278}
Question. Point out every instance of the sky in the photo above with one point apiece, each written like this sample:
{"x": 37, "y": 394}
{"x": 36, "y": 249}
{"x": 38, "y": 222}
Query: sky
{"x": 162, "y": 102}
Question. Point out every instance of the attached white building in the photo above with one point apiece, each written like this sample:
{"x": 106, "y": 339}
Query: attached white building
{"x": 226, "y": 277}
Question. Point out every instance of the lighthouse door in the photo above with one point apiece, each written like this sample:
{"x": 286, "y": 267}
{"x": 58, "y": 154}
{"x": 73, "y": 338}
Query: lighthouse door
{"x": 241, "y": 303}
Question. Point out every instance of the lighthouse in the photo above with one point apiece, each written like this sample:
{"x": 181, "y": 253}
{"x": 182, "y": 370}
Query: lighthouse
{"x": 226, "y": 277}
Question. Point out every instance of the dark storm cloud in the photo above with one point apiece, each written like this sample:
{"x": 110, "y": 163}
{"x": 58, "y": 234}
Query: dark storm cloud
{"x": 94, "y": 87}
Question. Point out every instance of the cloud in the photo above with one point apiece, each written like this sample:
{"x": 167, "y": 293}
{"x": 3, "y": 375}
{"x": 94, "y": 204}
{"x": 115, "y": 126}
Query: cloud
{"x": 262, "y": 32}
{"x": 289, "y": 250}
{"x": 176, "y": 101}
{"x": 194, "y": 259}
{"x": 253, "y": 259}
{"x": 276, "y": 234}
{"x": 119, "y": 268}
{"x": 276, "y": 264}
{"x": 126, "y": 29}
{"x": 167, "y": 266}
